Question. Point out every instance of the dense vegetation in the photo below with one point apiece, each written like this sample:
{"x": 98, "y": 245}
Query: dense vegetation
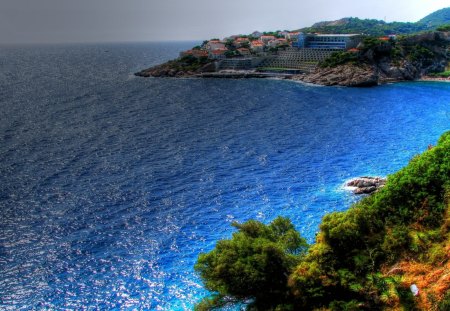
{"x": 371, "y": 27}
{"x": 372, "y": 50}
{"x": 368, "y": 43}
{"x": 365, "y": 258}
{"x": 445, "y": 74}
{"x": 375, "y": 27}
{"x": 437, "y": 18}
{"x": 444, "y": 28}
{"x": 188, "y": 63}
{"x": 339, "y": 58}
{"x": 254, "y": 264}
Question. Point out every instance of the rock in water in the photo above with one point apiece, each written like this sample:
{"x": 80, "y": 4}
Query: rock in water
{"x": 366, "y": 184}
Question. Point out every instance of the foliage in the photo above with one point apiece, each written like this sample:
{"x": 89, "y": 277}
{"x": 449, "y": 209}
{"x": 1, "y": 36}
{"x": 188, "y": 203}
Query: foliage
{"x": 339, "y": 58}
{"x": 371, "y": 42}
{"x": 444, "y": 74}
{"x": 370, "y": 27}
{"x": 254, "y": 264}
{"x": 231, "y": 53}
{"x": 230, "y": 44}
{"x": 444, "y": 28}
{"x": 245, "y": 45}
{"x": 396, "y": 53}
{"x": 444, "y": 305}
{"x": 401, "y": 220}
{"x": 189, "y": 63}
{"x": 421, "y": 54}
{"x": 362, "y": 258}
{"x": 437, "y": 18}
{"x": 373, "y": 50}
{"x": 375, "y": 27}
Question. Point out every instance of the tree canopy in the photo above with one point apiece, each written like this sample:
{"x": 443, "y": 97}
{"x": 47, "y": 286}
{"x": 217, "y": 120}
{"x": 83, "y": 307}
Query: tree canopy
{"x": 254, "y": 263}
{"x": 364, "y": 258}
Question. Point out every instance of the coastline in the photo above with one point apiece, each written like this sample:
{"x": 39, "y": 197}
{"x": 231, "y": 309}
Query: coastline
{"x": 434, "y": 79}
{"x": 342, "y": 76}
{"x": 374, "y": 62}
{"x": 345, "y": 77}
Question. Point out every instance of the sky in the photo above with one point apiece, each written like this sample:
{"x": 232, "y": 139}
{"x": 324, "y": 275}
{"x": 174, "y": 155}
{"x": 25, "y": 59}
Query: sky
{"x": 56, "y": 21}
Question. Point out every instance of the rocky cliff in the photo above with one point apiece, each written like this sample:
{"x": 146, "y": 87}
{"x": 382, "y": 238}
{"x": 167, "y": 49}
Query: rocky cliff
{"x": 377, "y": 62}
{"x": 342, "y": 75}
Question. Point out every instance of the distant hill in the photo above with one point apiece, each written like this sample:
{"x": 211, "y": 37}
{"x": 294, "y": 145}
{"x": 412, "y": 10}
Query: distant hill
{"x": 380, "y": 28}
{"x": 437, "y": 18}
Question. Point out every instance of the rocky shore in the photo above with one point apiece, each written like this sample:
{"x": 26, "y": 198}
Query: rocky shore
{"x": 345, "y": 75}
{"x": 361, "y": 75}
{"x": 174, "y": 69}
{"x": 408, "y": 59}
{"x": 435, "y": 79}
{"x": 366, "y": 184}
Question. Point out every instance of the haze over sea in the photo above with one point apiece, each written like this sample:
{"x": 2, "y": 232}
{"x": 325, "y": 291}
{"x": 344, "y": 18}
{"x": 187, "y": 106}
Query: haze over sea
{"x": 111, "y": 185}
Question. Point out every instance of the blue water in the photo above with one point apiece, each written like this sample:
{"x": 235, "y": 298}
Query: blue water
{"x": 111, "y": 185}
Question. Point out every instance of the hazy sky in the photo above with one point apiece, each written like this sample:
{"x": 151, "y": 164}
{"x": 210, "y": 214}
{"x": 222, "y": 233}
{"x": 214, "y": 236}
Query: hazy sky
{"x": 155, "y": 20}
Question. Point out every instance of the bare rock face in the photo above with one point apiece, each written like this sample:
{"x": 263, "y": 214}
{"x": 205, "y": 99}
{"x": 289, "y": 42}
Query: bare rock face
{"x": 210, "y": 67}
{"x": 343, "y": 75}
{"x": 366, "y": 184}
{"x": 163, "y": 70}
{"x": 404, "y": 71}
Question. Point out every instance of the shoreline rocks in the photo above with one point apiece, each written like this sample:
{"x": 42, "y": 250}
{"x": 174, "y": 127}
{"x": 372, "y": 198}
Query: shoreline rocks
{"x": 172, "y": 69}
{"x": 343, "y": 75}
{"x": 366, "y": 184}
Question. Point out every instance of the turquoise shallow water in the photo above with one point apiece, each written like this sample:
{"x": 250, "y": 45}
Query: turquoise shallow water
{"x": 111, "y": 185}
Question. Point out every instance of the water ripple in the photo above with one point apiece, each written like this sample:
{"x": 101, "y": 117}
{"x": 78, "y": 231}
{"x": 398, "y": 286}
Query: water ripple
{"x": 110, "y": 186}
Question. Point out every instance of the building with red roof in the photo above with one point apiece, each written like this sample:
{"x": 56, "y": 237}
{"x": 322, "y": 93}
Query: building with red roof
{"x": 266, "y": 39}
{"x": 257, "y": 46}
{"x": 217, "y": 54}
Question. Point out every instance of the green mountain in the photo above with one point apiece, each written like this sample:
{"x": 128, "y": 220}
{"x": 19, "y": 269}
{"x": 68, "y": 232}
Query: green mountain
{"x": 380, "y": 28}
{"x": 437, "y": 18}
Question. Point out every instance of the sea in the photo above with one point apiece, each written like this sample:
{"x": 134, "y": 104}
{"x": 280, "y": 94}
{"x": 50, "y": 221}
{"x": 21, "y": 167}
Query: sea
{"x": 111, "y": 185}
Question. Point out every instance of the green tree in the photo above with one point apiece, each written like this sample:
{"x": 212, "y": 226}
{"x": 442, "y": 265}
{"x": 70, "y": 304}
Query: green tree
{"x": 245, "y": 45}
{"x": 444, "y": 28}
{"x": 254, "y": 264}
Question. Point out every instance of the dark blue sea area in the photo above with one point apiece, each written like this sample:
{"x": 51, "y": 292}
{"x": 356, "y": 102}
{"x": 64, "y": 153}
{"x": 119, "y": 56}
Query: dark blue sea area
{"x": 111, "y": 185}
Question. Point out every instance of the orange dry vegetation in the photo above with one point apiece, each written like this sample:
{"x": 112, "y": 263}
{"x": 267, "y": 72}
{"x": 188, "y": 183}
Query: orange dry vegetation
{"x": 433, "y": 280}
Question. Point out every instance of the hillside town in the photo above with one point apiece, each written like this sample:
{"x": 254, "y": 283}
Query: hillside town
{"x": 295, "y": 52}
{"x": 264, "y": 44}
{"x": 344, "y": 59}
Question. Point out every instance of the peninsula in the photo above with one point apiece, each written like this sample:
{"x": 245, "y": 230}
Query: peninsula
{"x": 347, "y": 52}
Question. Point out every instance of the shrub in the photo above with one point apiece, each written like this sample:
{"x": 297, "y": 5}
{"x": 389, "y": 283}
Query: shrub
{"x": 371, "y": 43}
{"x": 444, "y": 28}
{"x": 339, "y": 58}
{"x": 254, "y": 263}
{"x": 421, "y": 54}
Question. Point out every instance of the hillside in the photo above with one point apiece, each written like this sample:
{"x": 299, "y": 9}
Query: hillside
{"x": 379, "y": 61}
{"x": 380, "y": 28}
{"x": 437, "y": 18}
{"x": 389, "y": 251}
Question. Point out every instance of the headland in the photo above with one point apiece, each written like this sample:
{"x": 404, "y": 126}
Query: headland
{"x": 332, "y": 59}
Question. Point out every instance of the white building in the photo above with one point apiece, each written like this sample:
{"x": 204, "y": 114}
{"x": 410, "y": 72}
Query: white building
{"x": 214, "y": 45}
